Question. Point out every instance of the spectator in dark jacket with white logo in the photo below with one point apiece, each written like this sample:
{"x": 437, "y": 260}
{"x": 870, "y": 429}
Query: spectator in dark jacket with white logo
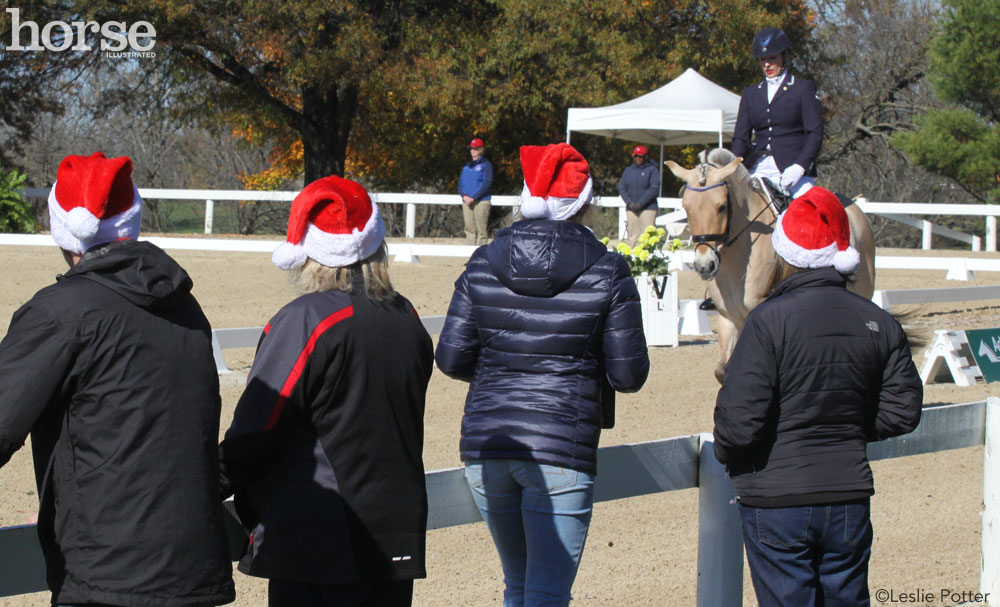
{"x": 111, "y": 370}
{"x": 638, "y": 188}
{"x": 545, "y": 324}
{"x": 817, "y": 373}
{"x": 325, "y": 449}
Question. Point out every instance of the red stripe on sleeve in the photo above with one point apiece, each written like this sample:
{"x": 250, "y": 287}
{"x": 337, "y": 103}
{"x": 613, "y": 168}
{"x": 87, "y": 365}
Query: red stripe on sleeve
{"x": 300, "y": 363}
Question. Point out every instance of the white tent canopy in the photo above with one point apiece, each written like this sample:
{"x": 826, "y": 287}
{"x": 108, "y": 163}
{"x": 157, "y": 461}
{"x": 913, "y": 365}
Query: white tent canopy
{"x": 689, "y": 109}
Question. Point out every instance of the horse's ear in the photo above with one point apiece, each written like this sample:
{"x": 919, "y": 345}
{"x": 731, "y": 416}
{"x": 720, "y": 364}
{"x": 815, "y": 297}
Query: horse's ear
{"x": 678, "y": 171}
{"x": 727, "y": 170}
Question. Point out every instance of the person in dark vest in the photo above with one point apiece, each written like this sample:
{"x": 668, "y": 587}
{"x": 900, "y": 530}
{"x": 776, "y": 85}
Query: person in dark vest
{"x": 325, "y": 450}
{"x": 638, "y": 188}
{"x": 545, "y": 325}
{"x": 779, "y": 126}
{"x": 111, "y": 371}
{"x": 817, "y": 373}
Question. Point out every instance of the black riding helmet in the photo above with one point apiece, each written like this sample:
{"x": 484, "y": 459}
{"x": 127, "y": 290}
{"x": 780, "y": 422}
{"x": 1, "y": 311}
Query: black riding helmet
{"x": 770, "y": 41}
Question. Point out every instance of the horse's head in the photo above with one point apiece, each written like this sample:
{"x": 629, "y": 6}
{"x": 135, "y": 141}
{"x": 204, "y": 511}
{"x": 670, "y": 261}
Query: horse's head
{"x": 706, "y": 201}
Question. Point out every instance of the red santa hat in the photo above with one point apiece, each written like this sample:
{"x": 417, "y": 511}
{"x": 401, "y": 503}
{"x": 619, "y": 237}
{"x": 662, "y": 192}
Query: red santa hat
{"x": 557, "y": 181}
{"x": 93, "y": 202}
{"x": 333, "y": 221}
{"x": 814, "y": 232}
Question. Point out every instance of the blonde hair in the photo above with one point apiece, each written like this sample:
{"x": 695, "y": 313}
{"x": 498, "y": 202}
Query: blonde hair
{"x": 372, "y": 272}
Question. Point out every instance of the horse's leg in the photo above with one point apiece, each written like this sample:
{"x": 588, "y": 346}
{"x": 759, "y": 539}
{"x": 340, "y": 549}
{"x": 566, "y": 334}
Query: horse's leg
{"x": 863, "y": 240}
{"x": 728, "y": 333}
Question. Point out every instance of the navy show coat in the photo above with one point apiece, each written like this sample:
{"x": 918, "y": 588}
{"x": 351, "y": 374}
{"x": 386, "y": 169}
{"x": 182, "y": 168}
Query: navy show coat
{"x": 790, "y": 127}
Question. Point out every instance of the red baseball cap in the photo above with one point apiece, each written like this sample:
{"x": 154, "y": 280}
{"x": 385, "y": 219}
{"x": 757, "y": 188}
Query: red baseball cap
{"x": 640, "y": 150}
{"x": 477, "y": 143}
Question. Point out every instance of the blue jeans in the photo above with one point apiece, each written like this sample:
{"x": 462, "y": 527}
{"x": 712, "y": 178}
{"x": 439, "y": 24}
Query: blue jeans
{"x": 809, "y": 556}
{"x": 538, "y": 516}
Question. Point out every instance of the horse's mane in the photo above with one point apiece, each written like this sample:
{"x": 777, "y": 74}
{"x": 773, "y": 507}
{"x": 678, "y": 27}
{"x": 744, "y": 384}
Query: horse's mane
{"x": 739, "y": 182}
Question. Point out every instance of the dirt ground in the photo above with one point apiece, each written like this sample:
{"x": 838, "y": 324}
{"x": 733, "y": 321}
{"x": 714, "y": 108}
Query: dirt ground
{"x": 641, "y": 551}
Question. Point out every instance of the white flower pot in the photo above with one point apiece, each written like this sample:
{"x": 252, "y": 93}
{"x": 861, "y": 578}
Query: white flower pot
{"x": 658, "y": 301}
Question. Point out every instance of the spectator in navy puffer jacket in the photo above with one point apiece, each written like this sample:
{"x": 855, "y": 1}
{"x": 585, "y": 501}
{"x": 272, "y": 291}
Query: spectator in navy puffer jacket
{"x": 545, "y": 324}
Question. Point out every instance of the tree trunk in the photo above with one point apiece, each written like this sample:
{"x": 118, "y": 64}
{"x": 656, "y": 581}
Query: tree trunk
{"x": 325, "y": 129}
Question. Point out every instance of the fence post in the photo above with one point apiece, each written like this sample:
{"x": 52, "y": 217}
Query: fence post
{"x": 411, "y": 220}
{"x": 928, "y": 233}
{"x": 621, "y": 224}
{"x": 989, "y": 576}
{"x": 991, "y": 233}
{"x": 977, "y": 243}
{"x": 720, "y": 539}
{"x": 209, "y": 215}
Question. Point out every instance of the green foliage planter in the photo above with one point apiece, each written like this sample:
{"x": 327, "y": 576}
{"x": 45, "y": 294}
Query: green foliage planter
{"x": 16, "y": 214}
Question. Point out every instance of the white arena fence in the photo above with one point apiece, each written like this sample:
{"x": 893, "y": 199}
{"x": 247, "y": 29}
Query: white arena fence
{"x": 902, "y": 212}
{"x": 672, "y": 464}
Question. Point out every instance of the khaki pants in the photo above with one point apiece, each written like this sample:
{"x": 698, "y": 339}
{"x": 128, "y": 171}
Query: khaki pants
{"x": 476, "y": 219}
{"x": 636, "y": 223}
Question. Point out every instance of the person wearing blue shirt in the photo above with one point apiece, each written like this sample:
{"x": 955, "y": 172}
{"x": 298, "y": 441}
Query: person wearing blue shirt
{"x": 779, "y": 125}
{"x": 638, "y": 188}
{"x": 474, "y": 185}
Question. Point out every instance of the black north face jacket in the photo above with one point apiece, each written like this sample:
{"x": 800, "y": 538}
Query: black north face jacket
{"x": 817, "y": 373}
{"x": 111, "y": 371}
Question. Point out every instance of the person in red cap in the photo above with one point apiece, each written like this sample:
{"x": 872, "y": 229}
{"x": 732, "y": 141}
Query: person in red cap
{"x": 111, "y": 371}
{"x": 817, "y": 373}
{"x": 545, "y": 325}
{"x": 638, "y": 188}
{"x": 324, "y": 453}
{"x": 475, "y": 185}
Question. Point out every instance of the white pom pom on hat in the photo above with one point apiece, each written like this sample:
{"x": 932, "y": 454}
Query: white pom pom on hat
{"x": 557, "y": 181}
{"x": 333, "y": 221}
{"x": 93, "y": 202}
{"x": 814, "y": 232}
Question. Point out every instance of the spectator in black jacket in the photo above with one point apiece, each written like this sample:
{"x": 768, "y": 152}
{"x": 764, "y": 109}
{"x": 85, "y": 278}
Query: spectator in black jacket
{"x": 325, "y": 449}
{"x": 545, "y": 324}
{"x": 638, "y": 188}
{"x": 111, "y": 371}
{"x": 817, "y": 373}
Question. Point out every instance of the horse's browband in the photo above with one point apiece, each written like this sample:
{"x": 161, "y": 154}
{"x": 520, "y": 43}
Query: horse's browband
{"x": 705, "y": 189}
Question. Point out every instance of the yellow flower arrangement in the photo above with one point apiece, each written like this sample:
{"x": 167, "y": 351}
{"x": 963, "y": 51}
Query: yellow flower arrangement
{"x": 648, "y": 255}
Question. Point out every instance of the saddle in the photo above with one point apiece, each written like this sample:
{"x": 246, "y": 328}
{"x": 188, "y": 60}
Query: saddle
{"x": 776, "y": 196}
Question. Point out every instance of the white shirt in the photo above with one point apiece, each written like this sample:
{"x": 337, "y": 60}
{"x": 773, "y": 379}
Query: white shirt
{"x": 773, "y": 84}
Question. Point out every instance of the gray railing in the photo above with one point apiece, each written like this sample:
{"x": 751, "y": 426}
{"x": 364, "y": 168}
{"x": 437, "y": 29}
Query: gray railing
{"x": 628, "y": 471}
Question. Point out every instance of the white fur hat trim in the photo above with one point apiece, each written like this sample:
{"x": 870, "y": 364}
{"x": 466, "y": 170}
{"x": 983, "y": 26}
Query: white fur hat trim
{"x": 78, "y": 229}
{"x": 553, "y": 207}
{"x": 333, "y": 250}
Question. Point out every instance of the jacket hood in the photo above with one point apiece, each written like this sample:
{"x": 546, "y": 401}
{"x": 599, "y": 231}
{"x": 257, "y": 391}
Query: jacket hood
{"x": 140, "y": 272}
{"x": 817, "y": 277}
{"x": 542, "y": 258}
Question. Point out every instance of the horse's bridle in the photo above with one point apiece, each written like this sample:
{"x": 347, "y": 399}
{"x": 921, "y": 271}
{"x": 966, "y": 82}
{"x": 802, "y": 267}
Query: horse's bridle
{"x": 709, "y": 239}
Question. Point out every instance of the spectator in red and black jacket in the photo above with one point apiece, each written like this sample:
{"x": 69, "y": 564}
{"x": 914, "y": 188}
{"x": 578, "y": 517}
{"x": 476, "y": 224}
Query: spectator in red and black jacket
{"x": 817, "y": 373}
{"x": 324, "y": 452}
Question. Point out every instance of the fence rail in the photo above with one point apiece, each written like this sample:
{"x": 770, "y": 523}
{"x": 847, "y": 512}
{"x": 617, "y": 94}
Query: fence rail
{"x": 626, "y": 471}
{"x": 896, "y": 211}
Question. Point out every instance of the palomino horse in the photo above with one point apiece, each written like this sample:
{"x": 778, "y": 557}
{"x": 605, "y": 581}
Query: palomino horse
{"x": 731, "y": 223}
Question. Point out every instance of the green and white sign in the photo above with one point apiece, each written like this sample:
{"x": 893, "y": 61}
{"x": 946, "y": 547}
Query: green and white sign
{"x": 985, "y": 347}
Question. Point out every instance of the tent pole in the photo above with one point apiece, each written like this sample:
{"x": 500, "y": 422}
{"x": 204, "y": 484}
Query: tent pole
{"x": 661, "y": 169}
